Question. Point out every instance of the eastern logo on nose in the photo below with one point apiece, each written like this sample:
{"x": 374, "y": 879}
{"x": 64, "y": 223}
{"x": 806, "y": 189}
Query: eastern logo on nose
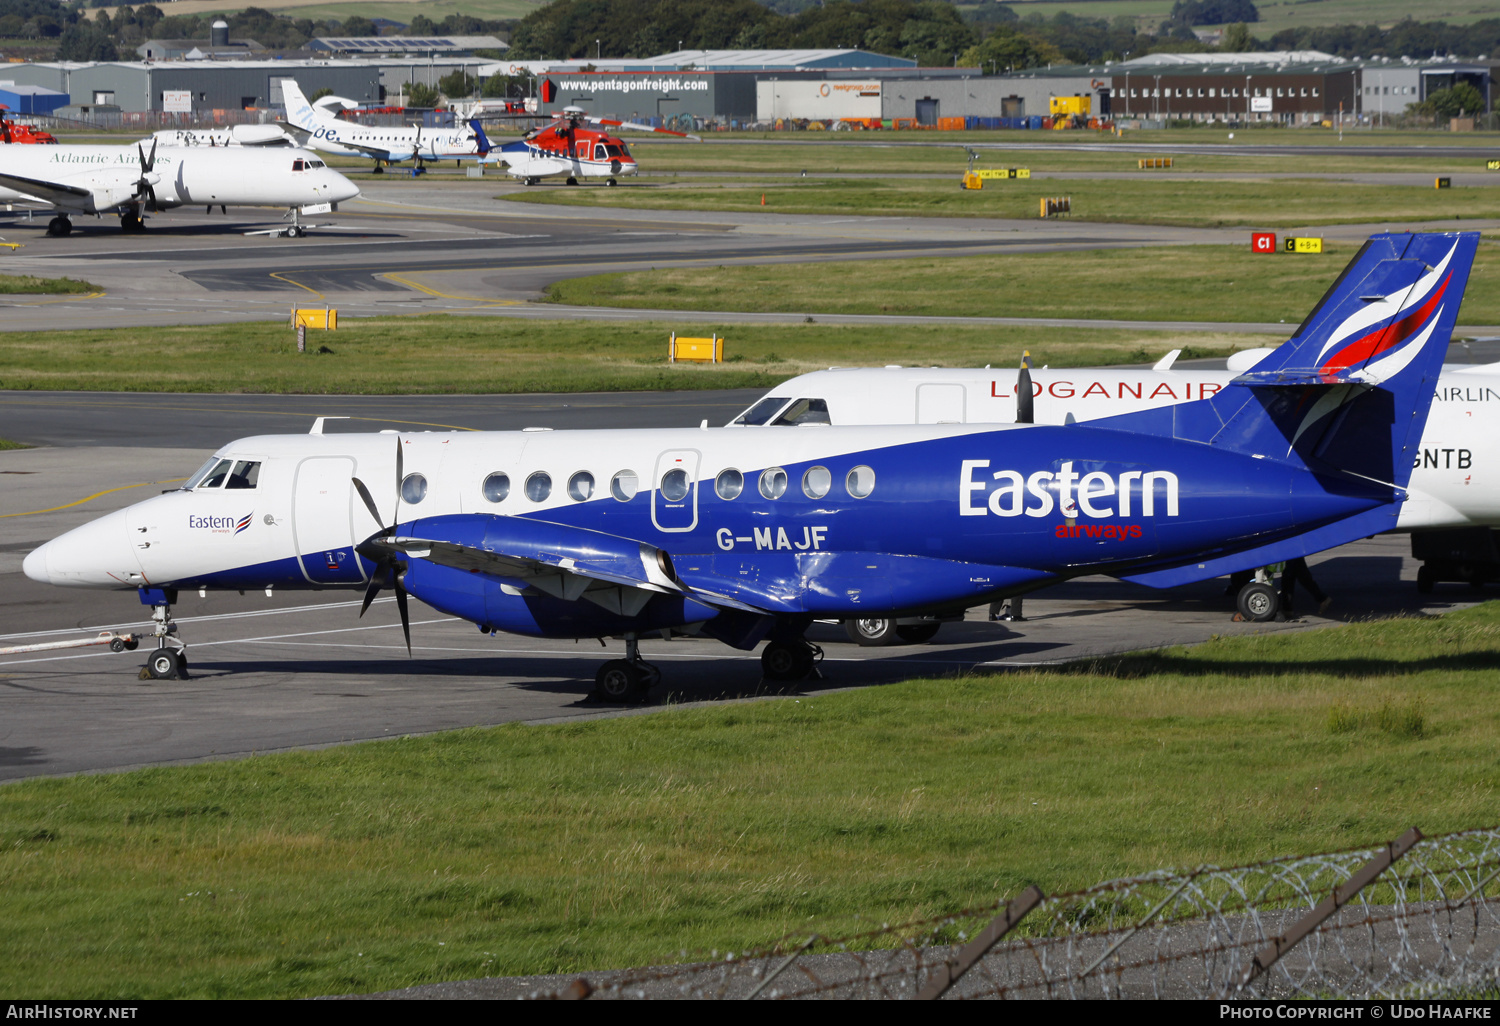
{"x": 244, "y": 522}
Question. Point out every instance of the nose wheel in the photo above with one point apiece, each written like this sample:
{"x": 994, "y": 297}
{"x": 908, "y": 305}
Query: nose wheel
{"x": 627, "y": 680}
{"x": 169, "y": 660}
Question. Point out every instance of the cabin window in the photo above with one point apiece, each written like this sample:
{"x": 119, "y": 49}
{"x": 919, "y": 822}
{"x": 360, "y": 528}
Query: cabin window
{"x": 245, "y": 474}
{"x": 599, "y": 152}
{"x": 413, "y": 489}
{"x": 860, "y": 482}
{"x": 674, "y": 485}
{"x": 538, "y": 487}
{"x": 210, "y": 475}
{"x": 729, "y": 484}
{"x": 761, "y": 411}
{"x": 624, "y": 485}
{"x": 496, "y": 487}
{"x": 805, "y": 411}
{"x": 581, "y": 486}
{"x": 816, "y": 482}
{"x": 773, "y": 482}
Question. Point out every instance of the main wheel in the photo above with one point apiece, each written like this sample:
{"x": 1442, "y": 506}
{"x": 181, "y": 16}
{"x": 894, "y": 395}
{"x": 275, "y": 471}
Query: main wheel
{"x": 917, "y": 633}
{"x": 59, "y": 226}
{"x": 871, "y": 633}
{"x": 162, "y": 665}
{"x": 611, "y": 182}
{"x": 572, "y": 181}
{"x": 620, "y": 680}
{"x": 1425, "y": 579}
{"x": 1258, "y": 602}
{"x": 786, "y": 660}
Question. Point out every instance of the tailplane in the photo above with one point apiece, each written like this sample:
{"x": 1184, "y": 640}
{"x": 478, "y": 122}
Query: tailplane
{"x": 1349, "y": 392}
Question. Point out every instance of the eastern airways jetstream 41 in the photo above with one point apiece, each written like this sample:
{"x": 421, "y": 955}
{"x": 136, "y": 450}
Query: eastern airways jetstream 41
{"x": 745, "y": 536}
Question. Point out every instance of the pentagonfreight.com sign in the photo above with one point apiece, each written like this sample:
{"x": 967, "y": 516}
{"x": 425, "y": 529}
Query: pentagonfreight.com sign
{"x": 632, "y": 86}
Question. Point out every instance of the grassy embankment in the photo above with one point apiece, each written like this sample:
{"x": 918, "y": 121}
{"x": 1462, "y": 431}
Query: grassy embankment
{"x": 525, "y": 849}
{"x": 6, "y": 443}
{"x": 1211, "y": 283}
{"x": 28, "y": 285}
{"x": 447, "y": 354}
{"x": 1177, "y": 201}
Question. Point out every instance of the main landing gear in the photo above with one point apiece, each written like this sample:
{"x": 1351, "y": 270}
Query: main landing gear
{"x": 169, "y": 660}
{"x": 629, "y": 679}
{"x": 59, "y": 226}
{"x": 611, "y": 182}
{"x": 572, "y": 181}
{"x": 1257, "y": 601}
{"x": 533, "y": 181}
{"x": 132, "y": 222}
{"x": 791, "y": 659}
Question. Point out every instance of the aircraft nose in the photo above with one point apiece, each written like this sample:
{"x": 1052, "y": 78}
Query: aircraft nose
{"x": 343, "y": 189}
{"x": 35, "y": 564}
{"x": 98, "y": 554}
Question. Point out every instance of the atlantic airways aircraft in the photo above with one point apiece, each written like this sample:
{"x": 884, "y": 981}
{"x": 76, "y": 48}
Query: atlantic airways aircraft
{"x": 745, "y": 536}
{"x": 330, "y": 134}
{"x": 127, "y": 180}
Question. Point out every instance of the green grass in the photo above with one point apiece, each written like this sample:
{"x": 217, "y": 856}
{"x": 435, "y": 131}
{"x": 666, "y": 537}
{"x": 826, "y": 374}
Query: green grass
{"x": 438, "y": 354}
{"x": 526, "y": 849}
{"x": 1187, "y": 283}
{"x": 1275, "y": 15}
{"x": 6, "y": 443}
{"x": 937, "y": 153}
{"x": 26, "y": 284}
{"x": 1174, "y": 201}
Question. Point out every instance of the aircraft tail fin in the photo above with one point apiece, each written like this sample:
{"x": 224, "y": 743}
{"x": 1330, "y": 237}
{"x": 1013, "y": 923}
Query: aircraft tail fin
{"x": 298, "y": 111}
{"x": 1349, "y": 392}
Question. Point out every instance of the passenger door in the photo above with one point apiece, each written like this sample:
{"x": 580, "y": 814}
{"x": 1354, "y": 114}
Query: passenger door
{"x": 323, "y": 522}
{"x": 674, "y": 490}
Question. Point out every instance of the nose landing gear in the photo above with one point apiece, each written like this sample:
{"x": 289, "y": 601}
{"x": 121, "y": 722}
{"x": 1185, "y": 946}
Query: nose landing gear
{"x": 793, "y": 659}
{"x": 169, "y": 660}
{"x": 629, "y": 679}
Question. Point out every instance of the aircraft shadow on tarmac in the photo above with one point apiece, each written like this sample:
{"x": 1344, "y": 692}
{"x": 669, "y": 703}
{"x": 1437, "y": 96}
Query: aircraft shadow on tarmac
{"x": 28, "y": 756}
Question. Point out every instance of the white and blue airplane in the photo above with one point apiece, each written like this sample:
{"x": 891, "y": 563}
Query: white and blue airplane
{"x": 749, "y": 536}
{"x": 325, "y": 131}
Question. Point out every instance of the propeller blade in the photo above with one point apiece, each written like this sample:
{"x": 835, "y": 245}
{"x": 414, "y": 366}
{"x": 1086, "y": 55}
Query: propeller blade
{"x": 151, "y": 160}
{"x": 150, "y": 199}
{"x": 364, "y": 493}
{"x": 401, "y": 605}
{"x": 400, "y": 474}
{"x": 1025, "y": 408}
{"x": 371, "y": 591}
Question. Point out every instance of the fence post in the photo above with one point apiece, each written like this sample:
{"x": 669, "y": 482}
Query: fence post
{"x": 1341, "y": 896}
{"x": 950, "y": 972}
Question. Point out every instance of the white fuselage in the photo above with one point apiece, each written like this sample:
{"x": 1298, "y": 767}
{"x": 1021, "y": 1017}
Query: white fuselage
{"x": 95, "y": 179}
{"x": 234, "y": 135}
{"x": 1455, "y": 481}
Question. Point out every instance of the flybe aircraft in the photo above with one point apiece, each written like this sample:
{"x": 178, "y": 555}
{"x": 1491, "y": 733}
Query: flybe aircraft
{"x": 328, "y": 133}
{"x": 749, "y": 536}
{"x": 127, "y": 180}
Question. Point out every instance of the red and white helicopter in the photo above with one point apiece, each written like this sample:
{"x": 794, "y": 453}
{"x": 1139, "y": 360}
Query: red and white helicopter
{"x": 569, "y": 147}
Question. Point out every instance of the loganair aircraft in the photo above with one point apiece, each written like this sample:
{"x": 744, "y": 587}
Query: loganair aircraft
{"x": 328, "y": 133}
{"x": 750, "y": 536}
{"x": 128, "y": 180}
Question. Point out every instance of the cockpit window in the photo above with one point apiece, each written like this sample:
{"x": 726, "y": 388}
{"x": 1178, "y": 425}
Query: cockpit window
{"x": 299, "y": 165}
{"x": 760, "y": 412}
{"x": 215, "y": 475}
{"x": 199, "y": 474}
{"x": 614, "y": 150}
{"x": 314, "y": 164}
{"x": 245, "y": 474}
{"x": 805, "y": 411}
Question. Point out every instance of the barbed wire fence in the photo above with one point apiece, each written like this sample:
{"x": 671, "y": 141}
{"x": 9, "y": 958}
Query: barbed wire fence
{"x": 1415, "y": 918}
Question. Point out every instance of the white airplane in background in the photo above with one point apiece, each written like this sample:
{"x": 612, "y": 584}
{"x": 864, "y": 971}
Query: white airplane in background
{"x": 1453, "y": 499}
{"x": 324, "y": 131}
{"x": 128, "y": 181}
{"x": 234, "y": 135}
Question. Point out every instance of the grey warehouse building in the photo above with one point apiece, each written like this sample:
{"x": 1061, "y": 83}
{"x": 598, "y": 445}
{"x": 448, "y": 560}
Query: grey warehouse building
{"x": 214, "y": 85}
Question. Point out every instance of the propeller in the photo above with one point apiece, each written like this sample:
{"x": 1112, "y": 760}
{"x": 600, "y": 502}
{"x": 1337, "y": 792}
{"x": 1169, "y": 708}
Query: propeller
{"x": 379, "y": 550}
{"x": 145, "y": 182}
{"x": 1025, "y": 413}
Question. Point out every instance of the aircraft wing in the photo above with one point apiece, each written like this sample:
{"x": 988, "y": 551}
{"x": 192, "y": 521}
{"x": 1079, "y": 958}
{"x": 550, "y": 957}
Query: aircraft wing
{"x": 621, "y": 581}
{"x": 57, "y": 193}
{"x": 378, "y": 152}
